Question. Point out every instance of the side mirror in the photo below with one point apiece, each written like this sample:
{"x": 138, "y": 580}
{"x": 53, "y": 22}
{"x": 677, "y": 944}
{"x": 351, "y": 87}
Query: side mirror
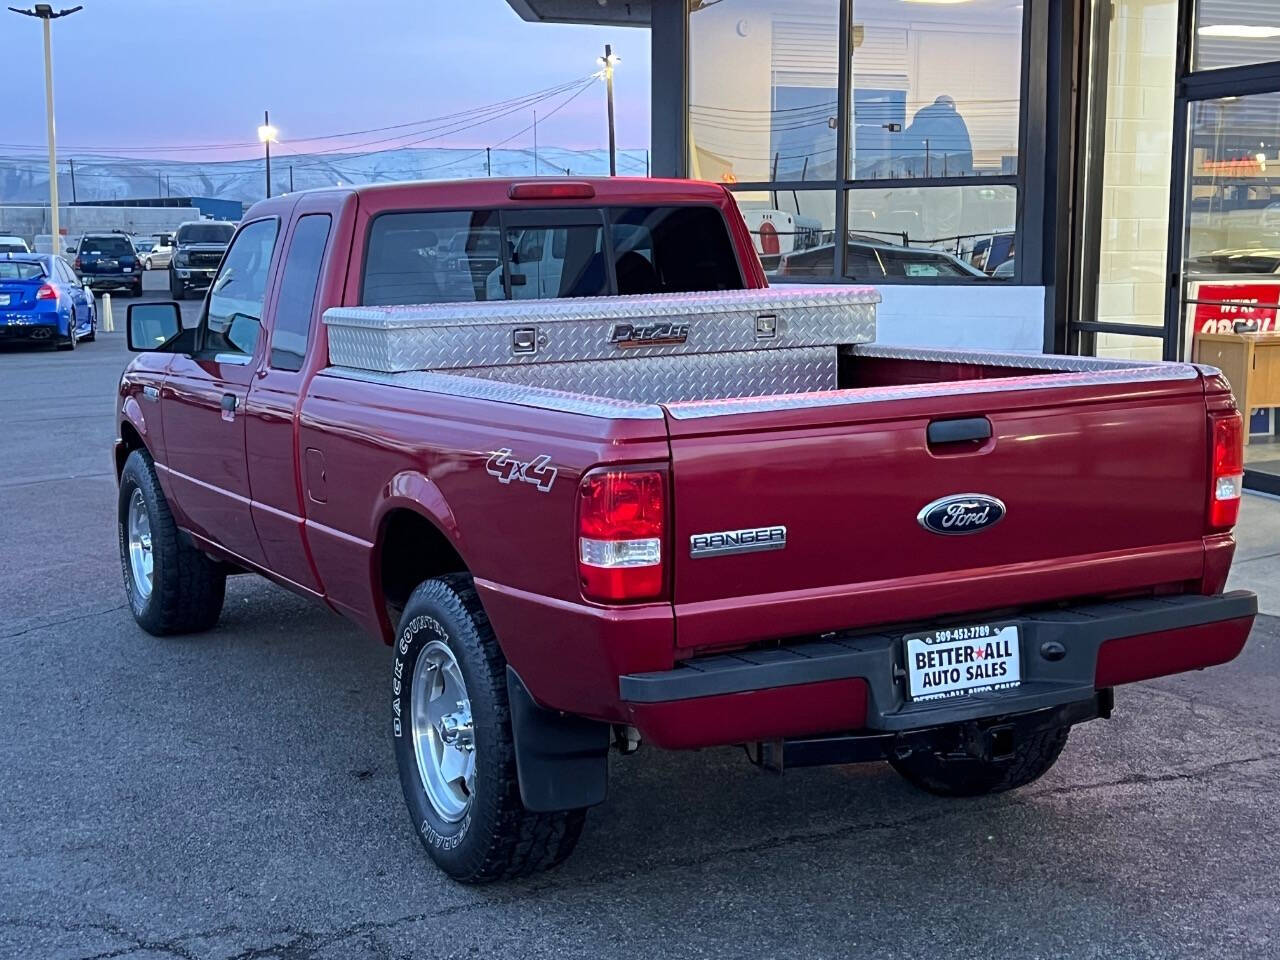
{"x": 153, "y": 326}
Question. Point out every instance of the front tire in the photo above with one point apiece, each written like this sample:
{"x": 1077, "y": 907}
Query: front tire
{"x": 172, "y": 587}
{"x": 177, "y": 289}
{"x": 451, "y": 731}
{"x": 959, "y": 775}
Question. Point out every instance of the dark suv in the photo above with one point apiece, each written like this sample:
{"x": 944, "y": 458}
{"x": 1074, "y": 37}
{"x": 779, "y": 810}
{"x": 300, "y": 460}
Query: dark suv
{"x": 108, "y": 261}
{"x": 197, "y": 250}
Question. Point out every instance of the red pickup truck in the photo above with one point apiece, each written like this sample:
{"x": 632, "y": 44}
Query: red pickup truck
{"x": 559, "y": 444}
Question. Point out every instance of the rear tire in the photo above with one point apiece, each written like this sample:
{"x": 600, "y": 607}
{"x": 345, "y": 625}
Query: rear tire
{"x": 477, "y": 831}
{"x": 180, "y": 590}
{"x": 949, "y": 775}
{"x": 72, "y": 338}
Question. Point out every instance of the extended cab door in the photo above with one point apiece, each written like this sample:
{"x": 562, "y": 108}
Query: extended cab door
{"x": 281, "y": 490}
{"x": 205, "y": 393}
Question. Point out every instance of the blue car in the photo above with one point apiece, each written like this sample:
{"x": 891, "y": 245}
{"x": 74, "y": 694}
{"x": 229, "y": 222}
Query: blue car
{"x": 43, "y": 301}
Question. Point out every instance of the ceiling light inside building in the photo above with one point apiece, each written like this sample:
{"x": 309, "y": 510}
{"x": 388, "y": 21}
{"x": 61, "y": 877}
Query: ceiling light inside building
{"x": 1240, "y": 31}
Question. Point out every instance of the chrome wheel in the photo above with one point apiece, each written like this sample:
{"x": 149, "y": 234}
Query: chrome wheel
{"x": 141, "y": 558}
{"x": 443, "y": 735}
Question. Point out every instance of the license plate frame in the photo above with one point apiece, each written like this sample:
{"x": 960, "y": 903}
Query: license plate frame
{"x": 992, "y": 665}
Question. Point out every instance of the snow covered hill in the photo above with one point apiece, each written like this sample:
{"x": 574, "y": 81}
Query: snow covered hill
{"x": 26, "y": 180}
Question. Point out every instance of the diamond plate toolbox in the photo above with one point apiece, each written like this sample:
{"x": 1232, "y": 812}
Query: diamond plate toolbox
{"x": 458, "y": 336}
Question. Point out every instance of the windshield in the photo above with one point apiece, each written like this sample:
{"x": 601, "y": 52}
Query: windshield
{"x": 106, "y": 246}
{"x": 205, "y": 233}
{"x": 7, "y": 247}
{"x": 21, "y": 270}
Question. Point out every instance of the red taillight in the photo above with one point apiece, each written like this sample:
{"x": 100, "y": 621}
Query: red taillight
{"x": 552, "y": 190}
{"x": 47, "y": 291}
{"x": 1226, "y": 481}
{"x": 769, "y": 243}
{"x": 621, "y": 515}
{"x": 77, "y": 264}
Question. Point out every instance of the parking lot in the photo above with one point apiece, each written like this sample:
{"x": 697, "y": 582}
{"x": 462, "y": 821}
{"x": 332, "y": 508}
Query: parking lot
{"x": 234, "y": 795}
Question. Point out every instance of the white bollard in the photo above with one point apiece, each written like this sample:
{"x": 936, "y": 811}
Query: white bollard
{"x": 108, "y": 321}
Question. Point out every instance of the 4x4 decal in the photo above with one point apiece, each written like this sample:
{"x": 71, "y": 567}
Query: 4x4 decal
{"x": 537, "y": 471}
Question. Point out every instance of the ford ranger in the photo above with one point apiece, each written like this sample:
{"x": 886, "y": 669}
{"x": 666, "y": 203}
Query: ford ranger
{"x": 622, "y": 491}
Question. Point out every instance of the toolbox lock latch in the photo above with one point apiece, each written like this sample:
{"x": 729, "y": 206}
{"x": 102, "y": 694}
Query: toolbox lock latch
{"x": 524, "y": 340}
{"x": 766, "y": 326}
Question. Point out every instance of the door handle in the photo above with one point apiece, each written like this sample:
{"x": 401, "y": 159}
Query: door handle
{"x": 229, "y": 403}
{"x": 958, "y": 431}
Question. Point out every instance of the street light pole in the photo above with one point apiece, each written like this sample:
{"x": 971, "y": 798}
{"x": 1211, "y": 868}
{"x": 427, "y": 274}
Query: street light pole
{"x": 45, "y": 13}
{"x": 608, "y": 60}
{"x": 267, "y": 133}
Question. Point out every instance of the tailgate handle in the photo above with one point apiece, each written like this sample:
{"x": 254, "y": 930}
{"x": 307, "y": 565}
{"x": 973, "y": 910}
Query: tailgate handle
{"x": 959, "y": 431}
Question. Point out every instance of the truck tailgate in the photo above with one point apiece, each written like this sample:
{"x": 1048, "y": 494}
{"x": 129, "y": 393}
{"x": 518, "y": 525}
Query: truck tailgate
{"x": 1104, "y": 480}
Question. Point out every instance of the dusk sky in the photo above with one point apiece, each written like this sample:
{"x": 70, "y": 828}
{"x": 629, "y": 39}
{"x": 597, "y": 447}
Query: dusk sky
{"x": 199, "y": 72}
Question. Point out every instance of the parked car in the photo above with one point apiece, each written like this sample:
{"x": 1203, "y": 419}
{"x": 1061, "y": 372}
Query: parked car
{"x": 1258, "y": 261}
{"x": 869, "y": 260}
{"x": 197, "y": 250}
{"x": 108, "y": 261}
{"x": 717, "y": 515}
{"x": 13, "y": 245}
{"x": 157, "y": 255}
{"x": 777, "y": 233}
{"x": 42, "y": 301}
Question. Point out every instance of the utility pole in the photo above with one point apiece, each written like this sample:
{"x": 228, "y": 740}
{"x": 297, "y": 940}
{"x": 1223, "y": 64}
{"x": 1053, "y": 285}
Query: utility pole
{"x": 291, "y": 178}
{"x": 73, "y": 180}
{"x": 488, "y": 163}
{"x": 267, "y": 133}
{"x": 608, "y": 60}
{"x": 535, "y": 143}
{"x": 44, "y": 12}
{"x": 159, "y": 185}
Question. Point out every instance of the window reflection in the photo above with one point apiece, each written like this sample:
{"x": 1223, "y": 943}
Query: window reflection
{"x": 934, "y": 89}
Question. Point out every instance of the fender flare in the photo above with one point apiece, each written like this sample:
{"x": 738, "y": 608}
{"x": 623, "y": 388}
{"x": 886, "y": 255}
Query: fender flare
{"x": 409, "y": 490}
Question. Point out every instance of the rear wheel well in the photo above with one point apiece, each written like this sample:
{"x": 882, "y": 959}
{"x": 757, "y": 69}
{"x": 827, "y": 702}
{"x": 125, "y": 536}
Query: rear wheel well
{"x": 132, "y": 441}
{"x": 411, "y": 549}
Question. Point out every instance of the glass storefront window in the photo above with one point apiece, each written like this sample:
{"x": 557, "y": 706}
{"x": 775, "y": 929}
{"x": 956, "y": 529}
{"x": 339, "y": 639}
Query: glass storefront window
{"x": 790, "y": 228}
{"x": 932, "y": 233}
{"x": 1232, "y": 33}
{"x": 762, "y": 89}
{"x": 1129, "y": 147}
{"x": 1231, "y": 244}
{"x": 934, "y": 89}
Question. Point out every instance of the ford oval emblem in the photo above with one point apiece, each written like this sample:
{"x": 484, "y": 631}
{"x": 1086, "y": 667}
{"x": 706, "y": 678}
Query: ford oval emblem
{"x": 961, "y": 513}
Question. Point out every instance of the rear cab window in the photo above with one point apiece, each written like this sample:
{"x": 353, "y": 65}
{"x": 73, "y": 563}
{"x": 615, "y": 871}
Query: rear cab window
{"x": 478, "y": 255}
{"x": 106, "y": 247}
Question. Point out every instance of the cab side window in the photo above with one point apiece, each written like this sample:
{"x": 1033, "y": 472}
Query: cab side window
{"x": 298, "y": 286}
{"x": 233, "y": 322}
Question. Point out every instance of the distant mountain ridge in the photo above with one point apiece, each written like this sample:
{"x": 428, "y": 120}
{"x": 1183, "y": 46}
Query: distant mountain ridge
{"x": 26, "y": 180}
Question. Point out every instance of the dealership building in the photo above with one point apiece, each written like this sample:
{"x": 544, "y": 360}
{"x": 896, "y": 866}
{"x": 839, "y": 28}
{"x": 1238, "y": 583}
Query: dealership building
{"x": 1081, "y": 176}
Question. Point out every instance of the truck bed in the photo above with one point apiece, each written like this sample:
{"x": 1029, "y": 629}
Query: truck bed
{"x": 1101, "y": 463}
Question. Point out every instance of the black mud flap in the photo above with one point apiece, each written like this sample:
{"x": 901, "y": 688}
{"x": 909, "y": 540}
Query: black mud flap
{"x": 562, "y": 760}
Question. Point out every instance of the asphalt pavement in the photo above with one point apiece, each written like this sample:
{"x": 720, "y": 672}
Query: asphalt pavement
{"x": 234, "y": 794}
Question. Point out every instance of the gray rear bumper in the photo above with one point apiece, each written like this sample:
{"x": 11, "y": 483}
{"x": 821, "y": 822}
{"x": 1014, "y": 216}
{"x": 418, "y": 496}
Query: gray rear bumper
{"x": 1059, "y": 660}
